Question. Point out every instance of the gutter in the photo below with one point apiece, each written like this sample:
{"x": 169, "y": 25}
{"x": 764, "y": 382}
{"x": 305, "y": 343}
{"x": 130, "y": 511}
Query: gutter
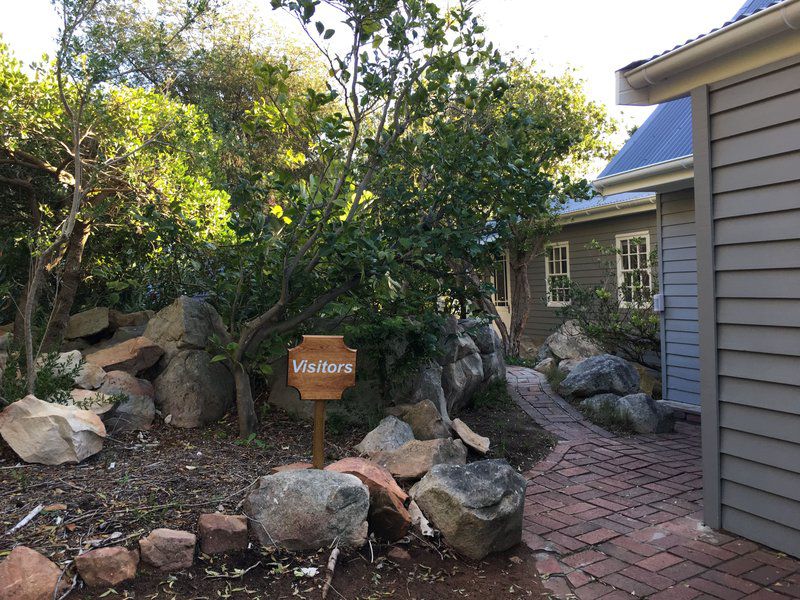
{"x": 758, "y": 27}
{"x": 657, "y": 177}
{"x": 607, "y": 211}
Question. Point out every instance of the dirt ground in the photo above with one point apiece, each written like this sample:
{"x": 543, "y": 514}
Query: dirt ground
{"x": 167, "y": 477}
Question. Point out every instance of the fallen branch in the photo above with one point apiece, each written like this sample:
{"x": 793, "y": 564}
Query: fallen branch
{"x": 331, "y": 568}
{"x": 30, "y": 516}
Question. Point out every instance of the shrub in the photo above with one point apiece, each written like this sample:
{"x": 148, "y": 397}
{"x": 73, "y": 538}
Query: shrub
{"x": 53, "y": 383}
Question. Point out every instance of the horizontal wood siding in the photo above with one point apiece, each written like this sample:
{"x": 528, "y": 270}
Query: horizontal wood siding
{"x": 755, "y": 180}
{"x": 679, "y": 326}
{"x": 585, "y": 264}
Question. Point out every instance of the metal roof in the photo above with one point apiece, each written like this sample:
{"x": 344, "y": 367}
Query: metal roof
{"x": 665, "y": 135}
{"x": 572, "y": 206}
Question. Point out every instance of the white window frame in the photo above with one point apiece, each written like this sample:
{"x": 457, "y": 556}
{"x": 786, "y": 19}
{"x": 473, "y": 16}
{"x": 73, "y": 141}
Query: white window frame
{"x": 507, "y": 268}
{"x": 547, "y": 274}
{"x": 621, "y": 237}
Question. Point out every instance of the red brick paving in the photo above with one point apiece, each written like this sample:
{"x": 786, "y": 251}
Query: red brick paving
{"x": 614, "y": 517}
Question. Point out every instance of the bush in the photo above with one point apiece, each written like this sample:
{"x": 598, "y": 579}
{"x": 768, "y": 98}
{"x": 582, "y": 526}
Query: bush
{"x": 54, "y": 381}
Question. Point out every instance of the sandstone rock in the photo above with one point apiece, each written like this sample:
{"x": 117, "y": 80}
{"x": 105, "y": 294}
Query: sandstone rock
{"x": 87, "y": 323}
{"x": 390, "y": 434}
{"x": 646, "y": 415}
{"x": 222, "y": 533}
{"x": 139, "y": 318}
{"x": 460, "y": 380}
{"x": 137, "y": 411}
{"x": 477, "y": 507}
{"x": 65, "y": 362}
{"x": 132, "y": 356}
{"x": 599, "y": 375}
{"x": 415, "y": 458}
{"x": 186, "y": 324}
{"x": 568, "y": 365}
{"x": 295, "y": 466}
{"x": 477, "y": 442}
{"x": 51, "y": 434}
{"x": 545, "y": 365}
{"x": 310, "y": 509}
{"x": 121, "y": 382}
{"x": 388, "y": 516}
{"x": 107, "y": 567}
{"x": 168, "y": 549}
{"x": 428, "y": 386}
{"x": 424, "y": 419}
{"x": 27, "y": 575}
{"x": 90, "y": 377}
{"x": 569, "y": 341}
{"x": 194, "y": 390}
{"x": 97, "y": 402}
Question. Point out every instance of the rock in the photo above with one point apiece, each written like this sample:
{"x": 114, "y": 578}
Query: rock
{"x": 398, "y": 554}
{"x": 417, "y": 457}
{"x": 424, "y": 419}
{"x": 90, "y": 377}
{"x": 419, "y": 520}
{"x": 107, "y": 567}
{"x": 97, "y": 402}
{"x": 545, "y": 366}
{"x": 388, "y": 516}
{"x": 295, "y": 466}
{"x": 390, "y": 434}
{"x": 137, "y": 411}
{"x": 27, "y": 575}
{"x": 456, "y": 346}
{"x": 65, "y": 362}
{"x": 543, "y": 353}
{"x": 51, "y": 434}
{"x": 168, "y": 549}
{"x": 470, "y": 438}
{"x": 569, "y": 341}
{"x": 460, "y": 380}
{"x": 494, "y": 367}
{"x": 194, "y": 390}
{"x": 599, "y": 375}
{"x": 428, "y": 386}
{"x": 649, "y": 379}
{"x": 645, "y": 415}
{"x": 186, "y": 324}
{"x": 607, "y": 403}
{"x": 121, "y": 382}
{"x": 87, "y": 323}
{"x": 308, "y": 510}
{"x": 222, "y": 533}
{"x": 119, "y": 319}
{"x": 132, "y": 356}
{"x": 567, "y": 365}
{"x": 477, "y": 507}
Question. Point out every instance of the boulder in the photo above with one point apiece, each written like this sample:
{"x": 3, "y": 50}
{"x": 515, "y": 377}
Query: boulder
{"x": 132, "y": 356}
{"x": 456, "y": 346}
{"x": 137, "y": 411}
{"x": 390, "y": 434}
{"x": 51, "y": 434}
{"x": 460, "y": 380}
{"x": 139, "y": 318}
{"x": 481, "y": 333}
{"x": 65, "y": 362}
{"x": 428, "y": 386}
{"x": 388, "y": 517}
{"x": 107, "y": 567}
{"x": 222, "y": 533}
{"x": 599, "y": 375}
{"x": 168, "y": 549}
{"x": 90, "y": 377}
{"x": 646, "y": 415}
{"x": 608, "y": 403}
{"x": 424, "y": 419}
{"x": 494, "y": 367}
{"x": 649, "y": 379}
{"x": 415, "y": 458}
{"x": 309, "y": 509}
{"x": 567, "y": 365}
{"x": 27, "y": 575}
{"x": 545, "y": 366}
{"x": 87, "y": 323}
{"x": 186, "y": 324}
{"x": 477, "y": 442}
{"x": 123, "y": 334}
{"x": 97, "y": 402}
{"x": 569, "y": 341}
{"x": 194, "y": 390}
{"x": 295, "y": 466}
{"x": 477, "y": 507}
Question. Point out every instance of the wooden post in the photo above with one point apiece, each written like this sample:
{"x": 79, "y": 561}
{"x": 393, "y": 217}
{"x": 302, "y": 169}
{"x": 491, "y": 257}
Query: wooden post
{"x": 319, "y": 434}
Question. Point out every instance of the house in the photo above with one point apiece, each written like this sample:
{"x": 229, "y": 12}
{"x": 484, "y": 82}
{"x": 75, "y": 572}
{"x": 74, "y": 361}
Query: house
{"x": 735, "y": 204}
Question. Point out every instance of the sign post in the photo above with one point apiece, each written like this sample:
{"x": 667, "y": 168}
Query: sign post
{"x": 321, "y": 368}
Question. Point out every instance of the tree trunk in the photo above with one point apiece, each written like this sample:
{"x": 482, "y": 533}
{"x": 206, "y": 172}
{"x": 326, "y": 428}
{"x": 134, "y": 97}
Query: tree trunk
{"x": 520, "y": 299}
{"x": 245, "y": 407}
{"x": 68, "y": 287}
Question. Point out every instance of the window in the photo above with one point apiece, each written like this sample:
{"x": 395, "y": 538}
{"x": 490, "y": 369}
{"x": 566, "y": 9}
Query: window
{"x": 556, "y": 263}
{"x": 634, "y": 279}
{"x": 502, "y": 295}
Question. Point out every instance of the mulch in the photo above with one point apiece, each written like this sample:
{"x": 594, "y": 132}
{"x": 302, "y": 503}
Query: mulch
{"x": 167, "y": 477}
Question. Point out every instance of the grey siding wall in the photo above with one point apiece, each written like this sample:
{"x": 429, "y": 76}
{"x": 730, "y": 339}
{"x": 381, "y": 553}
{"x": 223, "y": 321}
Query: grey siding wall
{"x": 748, "y": 185}
{"x": 585, "y": 267}
{"x": 680, "y": 341}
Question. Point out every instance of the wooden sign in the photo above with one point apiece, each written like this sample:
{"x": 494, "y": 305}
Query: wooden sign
{"x": 321, "y": 368}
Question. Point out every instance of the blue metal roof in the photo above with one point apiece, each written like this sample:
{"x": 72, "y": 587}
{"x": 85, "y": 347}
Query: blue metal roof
{"x": 572, "y": 206}
{"x": 665, "y": 135}
{"x": 752, "y": 6}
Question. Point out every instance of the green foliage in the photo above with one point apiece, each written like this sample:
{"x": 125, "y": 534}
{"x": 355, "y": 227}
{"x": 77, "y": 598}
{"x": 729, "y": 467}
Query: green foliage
{"x": 555, "y": 376}
{"x": 54, "y": 382}
{"x": 492, "y": 395}
{"x": 619, "y": 316}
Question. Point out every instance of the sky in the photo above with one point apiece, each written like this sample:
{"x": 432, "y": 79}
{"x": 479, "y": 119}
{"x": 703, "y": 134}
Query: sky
{"x": 596, "y": 37}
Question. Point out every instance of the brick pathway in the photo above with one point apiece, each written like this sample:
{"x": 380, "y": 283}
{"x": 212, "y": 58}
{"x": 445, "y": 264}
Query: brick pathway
{"x": 620, "y": 518}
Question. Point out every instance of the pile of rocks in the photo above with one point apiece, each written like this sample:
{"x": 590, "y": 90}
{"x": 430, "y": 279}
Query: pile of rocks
{"x": 565, "y": 348}
{"x": 609, "y": 385}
